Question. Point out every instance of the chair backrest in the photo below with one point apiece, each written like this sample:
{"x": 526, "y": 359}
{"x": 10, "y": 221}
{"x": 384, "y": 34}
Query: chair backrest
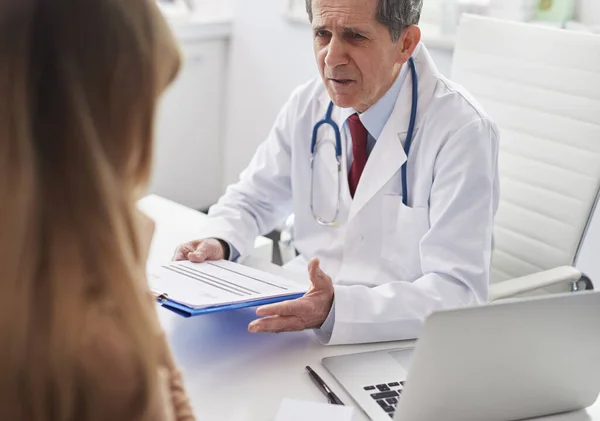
{"x": 542, "y": 87}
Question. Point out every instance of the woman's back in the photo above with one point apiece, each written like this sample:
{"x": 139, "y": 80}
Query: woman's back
{"x": 79, "y": 83}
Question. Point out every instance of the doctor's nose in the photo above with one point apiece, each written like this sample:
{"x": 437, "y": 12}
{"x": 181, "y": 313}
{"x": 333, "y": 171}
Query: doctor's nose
{"x": 336, "y": 53}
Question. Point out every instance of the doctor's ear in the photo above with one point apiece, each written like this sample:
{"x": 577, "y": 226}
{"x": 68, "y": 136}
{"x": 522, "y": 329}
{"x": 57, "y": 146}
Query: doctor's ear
{"x": 409, "y": 40}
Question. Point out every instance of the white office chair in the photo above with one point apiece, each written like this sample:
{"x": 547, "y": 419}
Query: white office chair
{"x": 542, "y": 87}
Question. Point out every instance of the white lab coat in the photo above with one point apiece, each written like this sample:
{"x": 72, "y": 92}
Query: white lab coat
{"x": 392, "y": 264}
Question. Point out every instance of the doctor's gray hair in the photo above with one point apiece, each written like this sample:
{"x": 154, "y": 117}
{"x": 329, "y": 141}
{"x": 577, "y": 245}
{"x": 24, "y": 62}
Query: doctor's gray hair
{"x": 395, "y": 14}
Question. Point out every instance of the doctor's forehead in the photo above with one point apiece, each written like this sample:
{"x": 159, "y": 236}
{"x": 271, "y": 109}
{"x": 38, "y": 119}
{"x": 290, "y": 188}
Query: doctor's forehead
{"x": 339, "y": 14}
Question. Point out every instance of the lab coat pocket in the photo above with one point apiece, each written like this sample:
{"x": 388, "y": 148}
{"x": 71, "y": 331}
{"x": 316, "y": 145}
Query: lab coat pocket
{"x": 403, "y": 230}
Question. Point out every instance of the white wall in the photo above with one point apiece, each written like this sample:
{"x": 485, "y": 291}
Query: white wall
{"x": 588, "y": 12}
{"x": 269, "y": 56}
{"x": 442, "y": 59}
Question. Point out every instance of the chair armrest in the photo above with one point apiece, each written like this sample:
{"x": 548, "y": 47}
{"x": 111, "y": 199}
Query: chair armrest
{"x": 263, "y": 249}
{"x": 287, "y": 251}
{"x": 532, "y": 282}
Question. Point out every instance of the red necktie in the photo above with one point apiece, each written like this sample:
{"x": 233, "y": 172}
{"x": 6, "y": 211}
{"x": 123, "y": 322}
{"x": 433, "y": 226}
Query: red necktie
{"x": 359, "y": 150}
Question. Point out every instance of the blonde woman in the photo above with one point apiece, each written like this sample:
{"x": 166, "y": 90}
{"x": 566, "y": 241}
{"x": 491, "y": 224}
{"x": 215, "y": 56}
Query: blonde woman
{"x": 79, "y": 82}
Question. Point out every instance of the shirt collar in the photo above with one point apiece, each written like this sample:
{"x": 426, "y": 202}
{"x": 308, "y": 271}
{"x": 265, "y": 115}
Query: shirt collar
{"x": 376, "y": 116}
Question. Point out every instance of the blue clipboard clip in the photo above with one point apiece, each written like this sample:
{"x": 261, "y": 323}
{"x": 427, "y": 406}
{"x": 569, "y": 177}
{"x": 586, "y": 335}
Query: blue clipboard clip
{"x": 186, "y": 311}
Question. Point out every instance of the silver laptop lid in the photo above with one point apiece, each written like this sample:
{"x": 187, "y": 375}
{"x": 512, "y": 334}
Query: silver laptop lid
{"x": 506, "y": 361}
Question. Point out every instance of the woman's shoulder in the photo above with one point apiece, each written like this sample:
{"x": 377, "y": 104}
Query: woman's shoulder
{"x": 108, "y": 364}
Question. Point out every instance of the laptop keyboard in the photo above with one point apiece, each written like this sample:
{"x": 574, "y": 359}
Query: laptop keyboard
{"x": 387, "y": 395}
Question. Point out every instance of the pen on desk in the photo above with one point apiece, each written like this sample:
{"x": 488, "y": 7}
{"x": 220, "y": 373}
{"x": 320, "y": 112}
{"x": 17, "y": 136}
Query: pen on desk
{"x": 332, "y": 397}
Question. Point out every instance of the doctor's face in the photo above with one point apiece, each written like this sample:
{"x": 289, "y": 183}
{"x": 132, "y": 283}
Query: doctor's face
{"x": 355, "y": 53}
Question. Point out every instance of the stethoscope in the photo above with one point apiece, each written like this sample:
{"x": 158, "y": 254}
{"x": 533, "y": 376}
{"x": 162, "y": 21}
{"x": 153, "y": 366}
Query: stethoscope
{"x": 338, "y": 151}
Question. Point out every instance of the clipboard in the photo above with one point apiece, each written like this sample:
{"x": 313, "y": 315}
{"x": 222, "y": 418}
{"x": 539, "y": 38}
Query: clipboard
{"x": 185, "y": 311}
{"x": 193, "y": 289}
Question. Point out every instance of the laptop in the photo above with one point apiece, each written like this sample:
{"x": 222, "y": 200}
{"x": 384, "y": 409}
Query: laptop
{"x": 504, "y": 361}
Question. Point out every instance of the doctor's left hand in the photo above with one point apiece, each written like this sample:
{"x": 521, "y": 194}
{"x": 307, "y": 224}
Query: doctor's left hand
{"x": 308, "y": 312}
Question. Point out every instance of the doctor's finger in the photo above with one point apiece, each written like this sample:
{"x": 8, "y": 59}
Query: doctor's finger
{"x": 318, "y": 278}
{"x": 200, "y": 255}
{"x": 181, "y": 253}
{"x": 276, "y": 324}
{"x": 285, "y": 308}
{"x": 207, "y": 250}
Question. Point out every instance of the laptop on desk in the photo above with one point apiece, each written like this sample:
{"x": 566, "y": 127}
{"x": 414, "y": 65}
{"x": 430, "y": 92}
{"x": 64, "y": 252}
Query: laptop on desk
{"x": 505, "y": 361}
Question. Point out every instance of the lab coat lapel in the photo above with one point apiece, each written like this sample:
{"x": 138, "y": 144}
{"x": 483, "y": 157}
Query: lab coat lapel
{"x": 388, "y": 154}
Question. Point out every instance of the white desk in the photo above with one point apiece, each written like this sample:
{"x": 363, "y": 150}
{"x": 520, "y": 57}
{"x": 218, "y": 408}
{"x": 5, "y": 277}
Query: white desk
{"x": 232, "y": 375}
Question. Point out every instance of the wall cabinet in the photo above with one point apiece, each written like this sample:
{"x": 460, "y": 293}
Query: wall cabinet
{"x": 188, "y": 133}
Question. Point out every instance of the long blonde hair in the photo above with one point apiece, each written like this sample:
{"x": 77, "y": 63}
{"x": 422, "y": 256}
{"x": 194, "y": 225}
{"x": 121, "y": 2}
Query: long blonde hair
{"x": 79, "y": 82}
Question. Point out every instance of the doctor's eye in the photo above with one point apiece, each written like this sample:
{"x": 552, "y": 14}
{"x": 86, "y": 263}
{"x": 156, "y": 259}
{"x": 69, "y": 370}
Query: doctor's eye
{"x": 356, "y": 35}
{"x": 321, "y": 33}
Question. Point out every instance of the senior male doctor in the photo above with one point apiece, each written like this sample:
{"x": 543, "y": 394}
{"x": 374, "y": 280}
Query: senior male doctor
{"x": 409, "y": 231}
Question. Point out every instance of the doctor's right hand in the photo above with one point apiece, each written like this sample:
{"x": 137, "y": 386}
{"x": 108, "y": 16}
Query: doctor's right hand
{"x": 199, "y": 251}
